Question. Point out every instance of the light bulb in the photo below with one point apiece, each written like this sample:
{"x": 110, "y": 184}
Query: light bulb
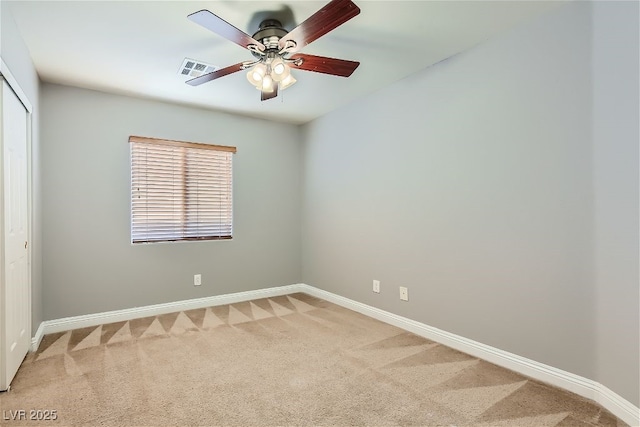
{"x": 279, "y": 70}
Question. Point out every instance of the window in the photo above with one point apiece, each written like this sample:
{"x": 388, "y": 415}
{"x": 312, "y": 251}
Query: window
{"x": 180, "y": 191}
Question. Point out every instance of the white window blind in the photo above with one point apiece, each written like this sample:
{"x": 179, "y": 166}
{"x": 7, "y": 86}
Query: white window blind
{"x": 180, "y": 191}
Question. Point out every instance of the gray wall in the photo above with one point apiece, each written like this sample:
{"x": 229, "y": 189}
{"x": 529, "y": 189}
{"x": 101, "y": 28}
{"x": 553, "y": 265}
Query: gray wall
{"x": 89, "y": 264}
{"x": 500, "y": 186}
{"x": 472, "y": 183}
{"x": 14, "y": 53}
{"x": 616, "y": 136}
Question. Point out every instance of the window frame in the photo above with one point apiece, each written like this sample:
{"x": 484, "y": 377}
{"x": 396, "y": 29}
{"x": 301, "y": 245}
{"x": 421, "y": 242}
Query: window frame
{"x": 185, "y": 196}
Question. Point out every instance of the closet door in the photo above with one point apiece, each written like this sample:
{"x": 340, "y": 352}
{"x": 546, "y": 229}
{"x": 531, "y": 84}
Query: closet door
{"x": 16, "y": 295}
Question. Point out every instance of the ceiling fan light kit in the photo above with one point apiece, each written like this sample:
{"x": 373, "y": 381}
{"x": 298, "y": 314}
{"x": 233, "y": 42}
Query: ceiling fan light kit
{"x": 270, "y": 69}
{"x": 275, "y": 48}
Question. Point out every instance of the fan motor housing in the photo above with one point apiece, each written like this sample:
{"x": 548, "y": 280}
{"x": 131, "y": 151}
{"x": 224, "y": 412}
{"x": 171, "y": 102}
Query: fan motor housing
{"x": 270, "y": 28}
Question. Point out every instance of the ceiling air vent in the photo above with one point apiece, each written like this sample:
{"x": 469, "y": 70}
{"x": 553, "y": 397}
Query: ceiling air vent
{"x": 193, "y": 68}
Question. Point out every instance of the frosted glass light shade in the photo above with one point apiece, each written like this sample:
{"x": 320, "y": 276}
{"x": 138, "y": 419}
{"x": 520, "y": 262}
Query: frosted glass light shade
{"x": 256, "y": 75}
{"x": 267, "y": 83}
{"x": 287, "y": 81}
{"x": 279, "y": 70}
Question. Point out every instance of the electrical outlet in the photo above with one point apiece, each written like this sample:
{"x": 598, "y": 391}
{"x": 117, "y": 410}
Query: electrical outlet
{"x": 197, "y": 279}
{"x": 404, "y": 293}
{"x": 376, "y": 286}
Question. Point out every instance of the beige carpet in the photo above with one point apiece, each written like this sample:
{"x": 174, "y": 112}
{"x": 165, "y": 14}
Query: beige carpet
{"x": 291, "y": 360}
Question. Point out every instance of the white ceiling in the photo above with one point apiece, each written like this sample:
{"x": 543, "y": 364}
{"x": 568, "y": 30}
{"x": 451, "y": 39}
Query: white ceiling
{"x": 136, "y": 47}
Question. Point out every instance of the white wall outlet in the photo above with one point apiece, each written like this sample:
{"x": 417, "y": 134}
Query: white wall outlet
{"x": 197, "y": 279}
{"x": 404, "y": 293}
{"x": 376, "y": 286}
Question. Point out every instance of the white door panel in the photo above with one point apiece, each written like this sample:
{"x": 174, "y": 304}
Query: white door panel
{"x": 16, "y": 304}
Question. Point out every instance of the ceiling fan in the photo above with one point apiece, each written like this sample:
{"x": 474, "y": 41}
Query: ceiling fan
{"x": 276, "y": 49}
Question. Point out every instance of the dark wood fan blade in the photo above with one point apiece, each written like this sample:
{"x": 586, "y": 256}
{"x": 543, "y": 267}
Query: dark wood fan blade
{"x": 334, "y": 14}
{"x": 266, "y": 95}
{"x": 322, "y": 64}
{"x": 215, "y": 74}
{"x": 221, "y": 27}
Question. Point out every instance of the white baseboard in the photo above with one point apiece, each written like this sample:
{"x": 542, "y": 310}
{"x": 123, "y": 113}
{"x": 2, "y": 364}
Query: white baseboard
{"x": 76, "y": 322}
{"x": 582, "y": 386}
{"x": 618, "y": 406}
{"x": 585, "y": 387}
{"x": 37, "y": 338}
